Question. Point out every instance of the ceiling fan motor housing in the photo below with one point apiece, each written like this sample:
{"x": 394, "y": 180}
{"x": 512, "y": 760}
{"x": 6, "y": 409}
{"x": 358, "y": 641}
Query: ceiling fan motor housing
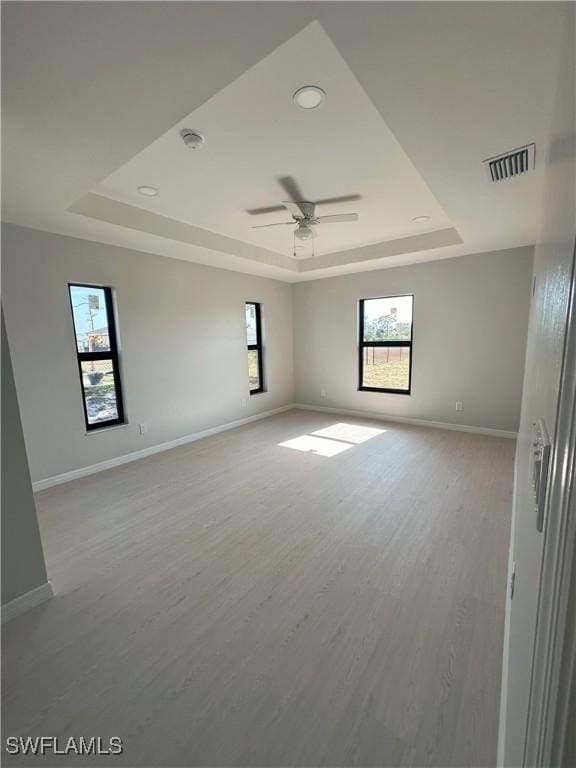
{"x": 307, "y": 209}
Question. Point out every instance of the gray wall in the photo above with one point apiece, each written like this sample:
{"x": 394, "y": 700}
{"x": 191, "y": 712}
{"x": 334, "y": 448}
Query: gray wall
{"x": 183, "y": 338}
{"x": 23, "y": 566}
{"x": 470, "y": 323}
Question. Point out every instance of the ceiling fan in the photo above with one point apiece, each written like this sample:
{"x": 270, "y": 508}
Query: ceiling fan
{"x": 304, "y": 212}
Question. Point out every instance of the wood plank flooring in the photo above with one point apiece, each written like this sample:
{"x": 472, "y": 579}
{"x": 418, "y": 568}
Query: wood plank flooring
{"x": 238, "y": 602}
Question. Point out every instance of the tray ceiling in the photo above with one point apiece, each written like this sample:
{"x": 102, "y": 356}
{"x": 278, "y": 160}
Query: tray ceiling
{"x": 418, "y": 94}
{"x": 255, "y": 136}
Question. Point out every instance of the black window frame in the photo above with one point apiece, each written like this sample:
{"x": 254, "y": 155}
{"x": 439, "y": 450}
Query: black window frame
{"x": 111, "y": 354}
{"x": 362, "y": 345}
{"x": 258, "y": 346}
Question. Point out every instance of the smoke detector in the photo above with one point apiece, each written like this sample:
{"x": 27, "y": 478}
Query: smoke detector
{"x": 192, "y": 139}
{"x": 512, "y": 163}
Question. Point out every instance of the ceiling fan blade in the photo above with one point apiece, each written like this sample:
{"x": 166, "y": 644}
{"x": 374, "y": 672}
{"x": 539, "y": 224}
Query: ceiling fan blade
{"x": 290, "y": 186}
{"x": 343, "y": 199}
{"x": 276, "y": 224}
{"x": 268, "y": 209}
{"x": 337, "y": 217}
{"x": 295, "y": 209}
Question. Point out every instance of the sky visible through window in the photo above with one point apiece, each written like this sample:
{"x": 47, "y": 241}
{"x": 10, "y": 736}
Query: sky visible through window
{"x": 89, "y": 314}
{"x": 375, "y": 308}
{"x": 251, "y": 336}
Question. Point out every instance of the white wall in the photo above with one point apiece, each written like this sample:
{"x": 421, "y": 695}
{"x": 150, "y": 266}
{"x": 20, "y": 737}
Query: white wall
{"x": 553, "y": 265}
{"x": 470, "y": 323}
{"x": 183, "y": 339}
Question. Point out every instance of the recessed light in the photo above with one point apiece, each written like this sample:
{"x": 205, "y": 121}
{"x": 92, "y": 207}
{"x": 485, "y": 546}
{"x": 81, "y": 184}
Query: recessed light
{"x": 421, "y": 219}
{"x": 148, "y": 191}
{"x": 309, "y": 97}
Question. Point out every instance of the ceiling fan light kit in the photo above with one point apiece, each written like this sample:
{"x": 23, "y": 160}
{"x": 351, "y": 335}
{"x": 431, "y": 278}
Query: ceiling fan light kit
{"x": 303, "y": 232}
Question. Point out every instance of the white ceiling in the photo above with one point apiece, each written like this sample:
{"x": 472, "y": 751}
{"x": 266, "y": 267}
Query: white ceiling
{"x": 418, "y": 94}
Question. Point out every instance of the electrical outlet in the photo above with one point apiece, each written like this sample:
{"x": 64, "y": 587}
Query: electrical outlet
{"x": 244, "y": 402}
{"x": 459, "y": 405}
{"x": 143, "y": 428}
{"x": 322, "y": 393}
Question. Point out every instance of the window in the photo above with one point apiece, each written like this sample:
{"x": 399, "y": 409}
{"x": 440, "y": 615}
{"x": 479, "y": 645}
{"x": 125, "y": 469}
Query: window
{"x": 254, "y": 340}
{"x": 385, "y": 348}
{"x": 97, "y": 352}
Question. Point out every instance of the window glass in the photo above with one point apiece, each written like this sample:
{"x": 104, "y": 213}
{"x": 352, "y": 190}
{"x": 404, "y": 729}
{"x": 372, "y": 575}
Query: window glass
{"x": 99, "y": 390}
{"x": 253, "y": 373}
{"x": 97, "y": 354}
{"x": 90, "y": 318}
{"x": 388, "y": 319}
{"x": 385, "y": 344}
{"x": 386, "y": 367}
{"x": 254, "y": 343}
{"x": 251, "y": 333}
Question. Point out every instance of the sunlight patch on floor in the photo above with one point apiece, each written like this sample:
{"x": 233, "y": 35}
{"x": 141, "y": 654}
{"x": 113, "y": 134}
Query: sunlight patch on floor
{"x": 349, "y": 433}
{"x": 318, "y": 445}
{"x": 332, "y": 440}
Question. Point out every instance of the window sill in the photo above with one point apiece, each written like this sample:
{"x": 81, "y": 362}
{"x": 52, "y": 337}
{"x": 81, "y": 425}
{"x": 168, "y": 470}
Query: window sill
{"x": 385, "y": 391}
{"x": 90, "y": 432}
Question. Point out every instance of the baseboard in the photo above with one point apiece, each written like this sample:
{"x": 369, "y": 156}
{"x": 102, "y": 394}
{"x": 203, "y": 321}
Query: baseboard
{"x": 408, "y": 420}
{"x": 27, "y": 601}
{"x": 101, "y": 466}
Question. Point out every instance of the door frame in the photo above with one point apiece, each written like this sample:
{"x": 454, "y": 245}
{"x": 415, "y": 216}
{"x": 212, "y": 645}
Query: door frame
{"x": 554, "y": 657}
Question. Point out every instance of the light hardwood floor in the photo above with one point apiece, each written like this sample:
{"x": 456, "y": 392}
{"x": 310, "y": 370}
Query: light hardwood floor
{"x": 236, "y": 602}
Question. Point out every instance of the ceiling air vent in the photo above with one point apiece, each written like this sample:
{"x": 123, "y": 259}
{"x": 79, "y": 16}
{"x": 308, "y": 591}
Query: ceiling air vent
{"x": 510, "y": 164}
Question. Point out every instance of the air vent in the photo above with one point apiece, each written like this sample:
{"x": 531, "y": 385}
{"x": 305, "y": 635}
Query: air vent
{"x": 510, "y": 164}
